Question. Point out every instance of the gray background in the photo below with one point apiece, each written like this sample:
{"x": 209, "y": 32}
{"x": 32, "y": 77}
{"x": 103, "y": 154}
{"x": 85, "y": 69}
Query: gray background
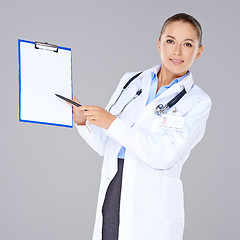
{"x": 49, "y": 177}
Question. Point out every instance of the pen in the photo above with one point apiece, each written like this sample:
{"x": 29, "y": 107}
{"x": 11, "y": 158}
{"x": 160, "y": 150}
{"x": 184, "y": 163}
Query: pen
{"x": 68, "y": 100}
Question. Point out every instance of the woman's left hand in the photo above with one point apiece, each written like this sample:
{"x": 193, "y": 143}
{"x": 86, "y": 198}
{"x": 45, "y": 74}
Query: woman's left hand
{"x": 98, "y": 116}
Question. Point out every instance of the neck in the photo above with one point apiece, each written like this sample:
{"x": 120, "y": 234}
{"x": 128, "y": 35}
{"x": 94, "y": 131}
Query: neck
{"x": 165, "y": 77}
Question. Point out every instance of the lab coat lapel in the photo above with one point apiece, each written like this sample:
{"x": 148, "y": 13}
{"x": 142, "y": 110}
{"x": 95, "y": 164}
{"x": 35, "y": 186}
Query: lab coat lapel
{"x": 166, "y": 96}
{"x": 186, "y": 83}
{"x": 146, "y": 84}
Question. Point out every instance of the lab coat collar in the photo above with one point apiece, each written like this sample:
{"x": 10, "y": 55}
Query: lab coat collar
{"x": 186, "y": 82}
{"x": 156, "y": 68}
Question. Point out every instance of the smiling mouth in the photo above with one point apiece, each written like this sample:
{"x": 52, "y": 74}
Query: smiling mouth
{"x": 176, "y": 61}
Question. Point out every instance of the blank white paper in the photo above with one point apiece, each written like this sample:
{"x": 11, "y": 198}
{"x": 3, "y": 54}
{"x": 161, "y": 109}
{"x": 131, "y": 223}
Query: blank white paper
{"x": 43, "y": 73}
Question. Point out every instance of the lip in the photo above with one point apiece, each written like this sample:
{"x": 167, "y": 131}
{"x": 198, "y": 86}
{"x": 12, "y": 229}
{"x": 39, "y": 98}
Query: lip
{"x": 179, "y": 61}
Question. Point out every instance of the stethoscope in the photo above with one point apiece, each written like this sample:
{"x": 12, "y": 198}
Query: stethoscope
{"x": 160, "y": 108}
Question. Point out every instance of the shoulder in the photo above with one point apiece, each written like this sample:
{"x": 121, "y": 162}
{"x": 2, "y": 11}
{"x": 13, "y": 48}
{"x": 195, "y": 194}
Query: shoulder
{"x": 127, "y": 76}
{"x": 199, "y": 94}
{"x": 197, "y": 102}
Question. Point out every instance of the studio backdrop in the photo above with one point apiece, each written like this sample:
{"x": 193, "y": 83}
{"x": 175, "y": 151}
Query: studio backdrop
{"x": 49, "y": 176}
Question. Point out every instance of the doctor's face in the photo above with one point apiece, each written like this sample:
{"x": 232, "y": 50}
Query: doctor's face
{"x": 178, "y": 47}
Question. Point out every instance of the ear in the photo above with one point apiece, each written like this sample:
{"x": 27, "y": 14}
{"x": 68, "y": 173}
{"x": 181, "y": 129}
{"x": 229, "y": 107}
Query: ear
{"x": 200, "y": 50}
{"x": 159, "y": 45}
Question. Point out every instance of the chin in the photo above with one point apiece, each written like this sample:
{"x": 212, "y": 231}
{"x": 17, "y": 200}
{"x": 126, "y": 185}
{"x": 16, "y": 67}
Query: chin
{"x": 176, "y": 70}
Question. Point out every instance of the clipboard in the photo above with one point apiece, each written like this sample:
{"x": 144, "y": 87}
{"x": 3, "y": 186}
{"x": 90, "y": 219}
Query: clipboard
{"x": 44, "y": 70}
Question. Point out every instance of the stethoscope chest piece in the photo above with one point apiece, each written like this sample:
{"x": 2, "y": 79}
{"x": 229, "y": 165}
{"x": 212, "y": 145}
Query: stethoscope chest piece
{"x": 160, "y": 109}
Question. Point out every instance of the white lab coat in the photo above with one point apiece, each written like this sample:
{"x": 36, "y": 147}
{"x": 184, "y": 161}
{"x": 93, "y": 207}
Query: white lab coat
{"x": 152, "y": 204}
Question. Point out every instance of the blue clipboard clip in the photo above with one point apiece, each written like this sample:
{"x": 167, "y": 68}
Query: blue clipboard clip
{"x": 46, "y": 46}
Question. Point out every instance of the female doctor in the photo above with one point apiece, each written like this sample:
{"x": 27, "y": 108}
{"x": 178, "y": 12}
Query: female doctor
{"x": 146, "y": 133}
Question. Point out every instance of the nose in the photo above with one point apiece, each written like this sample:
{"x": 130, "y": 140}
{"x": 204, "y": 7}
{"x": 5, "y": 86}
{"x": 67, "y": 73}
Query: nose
{"x": 178, "y": 50}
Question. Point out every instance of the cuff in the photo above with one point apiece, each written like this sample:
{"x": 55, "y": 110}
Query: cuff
{"x": 116, "y": 129}
{"x": 85, "y": 127}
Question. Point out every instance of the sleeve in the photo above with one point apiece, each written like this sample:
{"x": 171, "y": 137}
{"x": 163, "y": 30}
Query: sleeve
{"x": 96, "y": 136}
{"x": 161, "y": 149}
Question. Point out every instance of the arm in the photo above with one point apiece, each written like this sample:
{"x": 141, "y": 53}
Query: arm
{"x": 97, "y": 137}
{"x": 160, "y": 149}
{"x": 93, "y": 135}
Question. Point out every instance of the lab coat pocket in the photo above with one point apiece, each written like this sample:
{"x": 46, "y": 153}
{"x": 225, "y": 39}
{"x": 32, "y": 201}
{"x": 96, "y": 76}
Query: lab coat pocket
{"x": 172, "y": 197}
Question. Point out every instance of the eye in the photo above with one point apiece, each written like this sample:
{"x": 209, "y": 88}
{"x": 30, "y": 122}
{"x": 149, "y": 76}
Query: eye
{"x": 169, "y": 41}
{"x": 189, "y": 44}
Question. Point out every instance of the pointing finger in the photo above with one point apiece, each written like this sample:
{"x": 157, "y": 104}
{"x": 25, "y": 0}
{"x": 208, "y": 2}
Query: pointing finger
{"x": 90, "y": 107}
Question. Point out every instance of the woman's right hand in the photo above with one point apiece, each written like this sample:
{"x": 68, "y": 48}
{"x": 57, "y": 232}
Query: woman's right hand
{"x": 78, "y": 113}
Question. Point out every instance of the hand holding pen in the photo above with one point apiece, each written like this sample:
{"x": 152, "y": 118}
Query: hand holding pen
{"x": 94, "y": 114}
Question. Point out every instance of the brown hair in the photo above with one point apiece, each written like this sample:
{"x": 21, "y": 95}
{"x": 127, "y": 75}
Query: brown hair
{"x": 184, "y": 18}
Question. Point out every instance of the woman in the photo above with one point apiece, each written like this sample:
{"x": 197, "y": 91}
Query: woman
{"x": 144, "y": 149}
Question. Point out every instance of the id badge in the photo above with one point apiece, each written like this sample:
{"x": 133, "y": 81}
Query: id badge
{"x": 172, "y": 121}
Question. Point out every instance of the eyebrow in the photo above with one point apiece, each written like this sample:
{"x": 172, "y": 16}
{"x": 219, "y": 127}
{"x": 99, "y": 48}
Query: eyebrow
{"x": 187, "y": 39}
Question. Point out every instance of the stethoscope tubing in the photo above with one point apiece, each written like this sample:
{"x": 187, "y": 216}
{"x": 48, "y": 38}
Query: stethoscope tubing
{"x": 160, "y": 108}
{"x": 124, "y": 88}
{"x": 137, "y": 94}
